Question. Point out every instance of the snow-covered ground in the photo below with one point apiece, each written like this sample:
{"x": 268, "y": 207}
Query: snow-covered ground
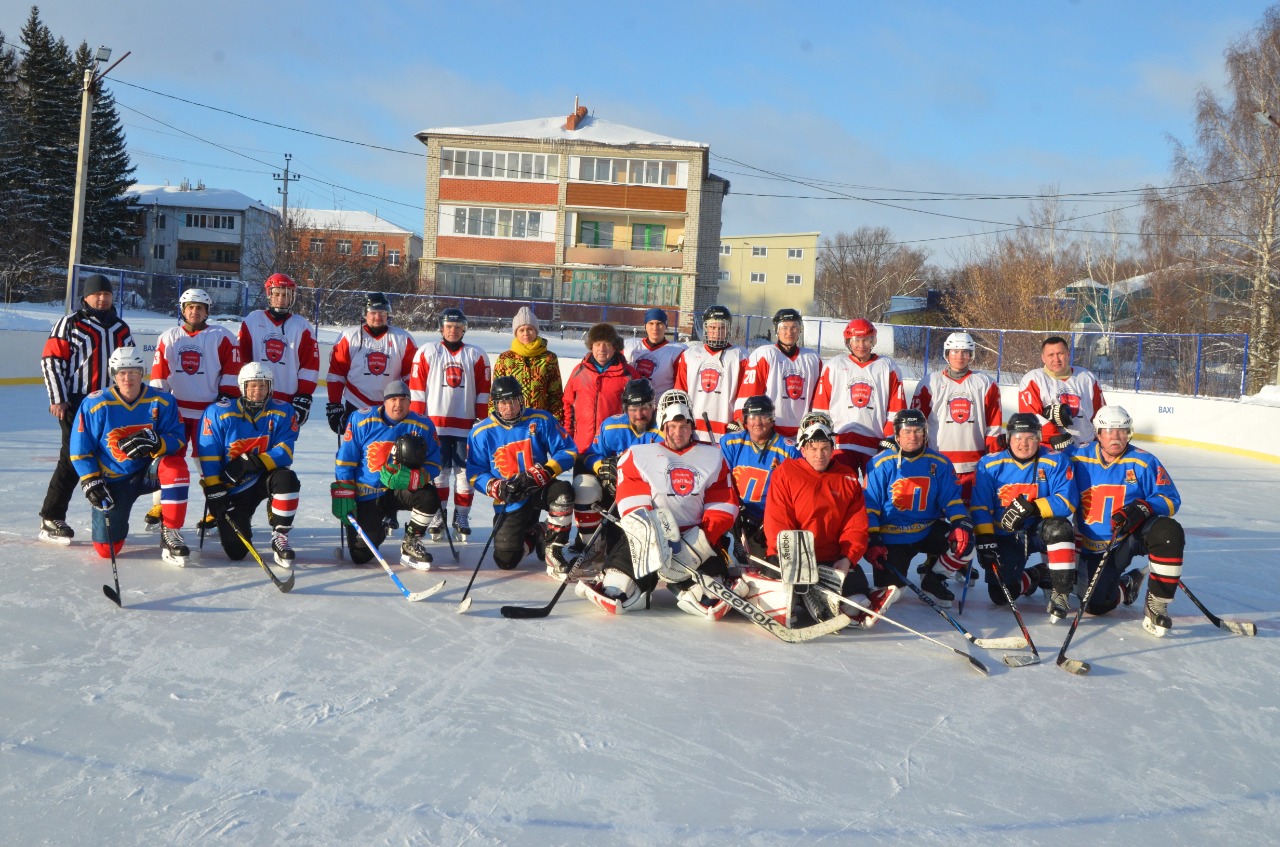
{"x": 212, "y": 707}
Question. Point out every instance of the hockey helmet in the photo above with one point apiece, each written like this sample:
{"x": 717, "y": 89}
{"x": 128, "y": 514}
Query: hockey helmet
{"x": 195, "y": 295}
{"x": 908, "y": 418}
{"x": 452, "y": 316}
{"x": 787, "y": 314}
{"x": 506, "y": 388}
{"x": 376, "y": 301}
{"x": 255, "y": 372}
{"x": 760, "y": 406}
{"x": 674, "y": 405}
{"x": 637, "y": 392}
{"x": 1113, "y": 417}
{"x": 124, "y": 359}
{"x": 279, "y": 281}
{"x": 1022, "y": 422}
{"x": 717, "y": 325}
{"x": 815, "y": 426}
{"x": 409, "y": 451}
{"x": 959, "y": 341}
{"x": 859, "y": 328}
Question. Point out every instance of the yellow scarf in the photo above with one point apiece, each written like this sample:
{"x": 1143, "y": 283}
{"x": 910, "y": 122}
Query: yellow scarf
{"x": 529, "y": 351}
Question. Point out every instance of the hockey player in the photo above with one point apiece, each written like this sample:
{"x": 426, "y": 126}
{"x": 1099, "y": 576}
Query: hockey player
{"x": 514, "y": 456}
{"x": 963, "y": 410}
{"x": 815, "y": 493}
{"x": 1127, "y": 504}
{"x": 283, "y": 343}
{"x": 364, "y": 360}
{"x": 197, "y": 364}
{"x": 595, "y": 486}
{"x": 654, "y": 357}
{"x": 711, "y": 375}
{"x": 246, "y": 449}
{"x": 752, "y": 455}
{"x": 914, "y": 506}
{"x": 388, "y": 460}
{"x": 74, "y": 363}
{"x": 450, "y": 385}
{"x": 1060, "y": 394}
{"x": 690, "y": 480}
{"x": 1023, "y": 500}
{"x": 785, "y": 372}
{"x": 862, "y": 392}
{"x": 119, "y": 435}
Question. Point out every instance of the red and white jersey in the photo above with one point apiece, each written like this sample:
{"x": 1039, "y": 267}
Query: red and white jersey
{"x": 693, "y": 484}
{"x": 452, "y": 389}
{"x": 712, "y": 378}
{"x": 964, "y": 416}
{"x": 195, "y": 366}
{"x": 1079, "y": 391}
{"x": 287, "y": 347}
{"x": 862, "y": 400}
{"x": 361, "y": 364}
{"x": 656, "y": 364}
{"x": 788, "y": 380}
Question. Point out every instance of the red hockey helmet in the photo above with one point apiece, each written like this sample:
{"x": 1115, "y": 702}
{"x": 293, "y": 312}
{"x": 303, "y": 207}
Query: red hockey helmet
{"x": 859, "y": 328}
{"x": 279, "y": 281}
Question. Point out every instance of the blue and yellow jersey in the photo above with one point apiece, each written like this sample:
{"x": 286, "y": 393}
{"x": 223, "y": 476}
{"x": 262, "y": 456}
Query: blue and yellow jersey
{"x": 227, "y": 432}
{"x": 906, "y": 495}
{"x": 496, "y": 450}
{"x": 750, "y": 466}
{"x": 105, "y": 420}
{"x": 615, "y": 438}
{"x": 1104, "y": 487}
{"x": 367, "y": 441}
{"x": 1045, "y": 479}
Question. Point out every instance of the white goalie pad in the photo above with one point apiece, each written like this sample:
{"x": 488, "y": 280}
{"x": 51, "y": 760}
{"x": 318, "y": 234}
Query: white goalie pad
{"x": 796, "y": 558}
{"x": 586, "y": 491}
{"x": 650, "y": 551}
{"x": 771, "y": 596}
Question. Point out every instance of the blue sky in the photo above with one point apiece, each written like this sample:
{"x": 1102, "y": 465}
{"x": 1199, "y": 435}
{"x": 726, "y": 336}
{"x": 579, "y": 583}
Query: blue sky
{"x": 884, "y": 99}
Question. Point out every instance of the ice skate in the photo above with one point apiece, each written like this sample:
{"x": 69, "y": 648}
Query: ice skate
{"x": 280, "y": 547}
{"x": 173, "y": 548}
{"x": 55, "y": 532}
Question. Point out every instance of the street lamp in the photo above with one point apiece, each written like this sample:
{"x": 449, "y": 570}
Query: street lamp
{"x": 89, "y": 92}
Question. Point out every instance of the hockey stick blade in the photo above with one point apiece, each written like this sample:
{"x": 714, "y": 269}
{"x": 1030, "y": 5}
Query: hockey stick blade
{"x": 527, "y": 612}
{"x": 758, "y": 616}
{"x": 422, "y": 595}
{"x": 1074, "y": 666}
{"x": 1012, "y": 642}
{"x": 1245, "y": 628}
{"x": 112, "y": 595}
{"x": 1020, "y": 661}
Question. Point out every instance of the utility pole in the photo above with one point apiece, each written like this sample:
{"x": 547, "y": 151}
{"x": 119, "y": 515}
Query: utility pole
{"x": 284, "y": 191}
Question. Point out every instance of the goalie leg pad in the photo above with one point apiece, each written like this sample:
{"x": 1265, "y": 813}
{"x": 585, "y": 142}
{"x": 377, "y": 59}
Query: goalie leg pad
{"x": 796, "y": 558}
{"x": 771, "y": 596}
{"x": 701, "y": 605}
{"x": 616, "y": 592}
{"x": 649, "y": 552}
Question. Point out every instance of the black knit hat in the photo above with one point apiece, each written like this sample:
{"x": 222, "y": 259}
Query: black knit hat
{"x": 95, "y": 284}
{"x": 604, "y": 332}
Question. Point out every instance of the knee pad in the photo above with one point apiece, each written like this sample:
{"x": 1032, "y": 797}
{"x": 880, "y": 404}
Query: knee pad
{"x": 1056, "y": 531}
{"x": 1164, "y": 537}
{"x": 283, "y": 481}
{"x": 560, "y": 504}
{"x": 586, "y": 490}
{"x": 507, "y": 559}
{"x": 996, "y": 593}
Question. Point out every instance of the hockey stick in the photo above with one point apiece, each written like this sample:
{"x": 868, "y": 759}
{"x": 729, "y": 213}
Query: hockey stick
{"x": 113, "y": 594}
{"x": 1016, "y": 661}
{"x": 1237, "y": 627}
{"x": 287, "y": 585}
{"x": 203, "y": 521}
{"x": 465, "y": 602}
{"x": 1075, "y": 666}
{"x": 592, "y": 549}
{"x": 448, "y": 536}
{"x": 412, "y": 597}
{"x": 964, "y": 592}
{"x": 987, "y": 643}
{"x": 706, "y": 419}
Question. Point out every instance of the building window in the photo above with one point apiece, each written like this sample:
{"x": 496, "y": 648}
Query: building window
{"x": 496, "y": 223}
{"x": 759, "y": 251}
{"x": 158, "y": 251}
{"x": 294, "y": 244}
{"x": 723, "y": 277}
{"x": 192, "y": 254}
{"x": 225, "y": 256}
{"x": 628, "y": 171}
{"x": 726, "y": 250}
{"x": 648, "y": 236}
{"x": 344, "y": 246}
{"x": 596, "y": 234}
{"x": 317, "y": 245}
{"x": 369, "y": 248}
{"x": 393, "y": 258}
{"x": 757, "y": 277}
{"x": 795, "y": 253}
{"x": 499, "y": 164}
{"x": 160, "y": 221}
{"x": 793, "y": 279}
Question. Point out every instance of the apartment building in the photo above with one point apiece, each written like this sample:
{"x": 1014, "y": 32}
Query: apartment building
{"x": 760, "y": 274}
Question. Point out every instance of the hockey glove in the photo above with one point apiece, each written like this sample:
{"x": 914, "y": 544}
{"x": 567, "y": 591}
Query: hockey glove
{"x": 877, "y": 554}
{"x": 1128, "y": 520}
{"x": 217, "y": 499}
{"x": 400, "y": 478}
{"x": 95, "y": 488}
{"x": 607, "y": 473}
{"x": 1018, "y": 513}
{"x": 302, "y": 405}
{"x": 337, "y": 415}
{"x": 522, "y": 486}
{"x": 889, "y": 443}
{"x": 540, "y": 476}
{"x": 986, "y": 547}
{"x": 1060, "y": 414}
{"x": 497, "y": 489}
{"x": 960, "y": 538}
{"x": 143, "y": 444}
{"x": 1060, "y": 441}
{"x": 343, "y": 499}
{"x": 996, "y": 443}
{"x": 240, "y": 468}
{"x": 731, "y": 427}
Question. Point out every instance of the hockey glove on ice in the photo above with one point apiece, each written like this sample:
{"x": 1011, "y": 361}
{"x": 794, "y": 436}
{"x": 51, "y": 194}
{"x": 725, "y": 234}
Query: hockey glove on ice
{"x": 1060, "y": 441}
{"x": 217, "y": 500}
{"x": 1128, "y": 520}
{"x": 1019, "y": 511}
{"x": 607, "y": 473}
{"x": 877, "y": 554}
{"x": 143, "y": 444}
{"x": 986, "y": 548}
{"x": 95, "y": 488}
{"x": 1060, "y": 414}
{"x": 400, "y": 478}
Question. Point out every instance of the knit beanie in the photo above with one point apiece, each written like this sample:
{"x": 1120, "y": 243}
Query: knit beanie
{"x": 524, "y": 317}
{"x": 96, "y": 284}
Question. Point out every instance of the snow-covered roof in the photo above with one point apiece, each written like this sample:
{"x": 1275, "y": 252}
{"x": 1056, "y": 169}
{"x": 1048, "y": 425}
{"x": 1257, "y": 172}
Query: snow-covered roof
{"x": 1120, "y": 287}
{"x": 347, "y": 221}
{"x": 592, "y": 129}
{"x": 195, "y": 198}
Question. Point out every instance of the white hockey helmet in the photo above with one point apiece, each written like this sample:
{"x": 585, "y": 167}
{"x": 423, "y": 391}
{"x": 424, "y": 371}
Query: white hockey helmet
{"x": 815, "y": 426}
{"x": 195, "y": 295}
{"x": 254, "y": 372}
{"x": 1113, "y": 417}
{"x": 674, "y": 404}
{"x": 959, "y": 341}
{"x": 124, "y": 359}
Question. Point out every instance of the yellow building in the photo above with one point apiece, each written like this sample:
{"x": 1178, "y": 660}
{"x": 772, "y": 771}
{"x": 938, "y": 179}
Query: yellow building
{"x": 760, "y": 274}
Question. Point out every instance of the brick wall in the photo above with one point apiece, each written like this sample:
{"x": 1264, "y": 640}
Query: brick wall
{"x": 498, "y": 192}
{"x": 464, "y": 248}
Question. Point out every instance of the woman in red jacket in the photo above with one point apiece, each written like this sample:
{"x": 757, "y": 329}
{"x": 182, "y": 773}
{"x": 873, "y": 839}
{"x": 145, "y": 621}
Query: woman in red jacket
{"x": 594, "y": 389}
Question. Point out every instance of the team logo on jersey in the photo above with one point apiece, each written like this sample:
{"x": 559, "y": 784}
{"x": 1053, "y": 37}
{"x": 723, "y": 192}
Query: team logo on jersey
{"x": 709, "y": 378}
{"x": 683, "y": 479}
{"x": 1162, "y": 478}
{"x": 376, "y": 363}
{"x": 961, "y": 409}
{"x": 1072, "y": 401}
{"x": 190, "y": 361}
{"x": 644, "y": 367}
{"x": 120, "y": 433}
{"x": 1040, "y": 475}
{"x": 1006, "y": 494}
{"x": 860, "y": 394}
{"x": 375, "y": 455}
{"x": 453, "y": 375}
{"x": 206, "y": 427}
{"x": 274, "y": 348}
{"x": 1130, "y": 478}
{"x": 910, "y": 493}
{"x": 794, "y": 385}
{"x": 247, "y": 446}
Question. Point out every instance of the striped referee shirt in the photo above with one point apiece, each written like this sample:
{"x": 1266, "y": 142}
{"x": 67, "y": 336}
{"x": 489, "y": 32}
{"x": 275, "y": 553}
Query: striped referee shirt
{"x": 75, "y": 357}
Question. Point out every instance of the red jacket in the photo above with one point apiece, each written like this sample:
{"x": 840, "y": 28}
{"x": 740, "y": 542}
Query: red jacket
{"x": 590, "y": 396}
{"x": 828, "y": 504}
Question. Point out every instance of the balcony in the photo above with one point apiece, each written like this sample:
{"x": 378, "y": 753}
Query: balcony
{"x": 583, "y": 255}
{"x": 201, "y": 265}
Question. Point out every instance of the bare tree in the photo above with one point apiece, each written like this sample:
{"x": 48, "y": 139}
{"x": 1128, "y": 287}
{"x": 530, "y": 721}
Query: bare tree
{"x": 859, "y": 272}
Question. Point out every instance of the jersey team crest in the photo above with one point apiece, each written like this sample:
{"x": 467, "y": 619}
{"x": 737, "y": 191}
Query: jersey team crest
{"x": 860, "y": 394}
{"x": 683, "y": 479}
{"x": 453, "y": 376}
{"x": 119, "y": 434}
{"x": 1072, "y": 402}
{"x": 709, "y": 378}
{"x": 794, "y": 384}
{"x": 644, "y": 367}
{"x": 960, "y": 409}
{"x": 377, "y": 363}
{"x": 190, "y": 361}
{"x": 375, "y": 455}
{"x": 274, "y": 348}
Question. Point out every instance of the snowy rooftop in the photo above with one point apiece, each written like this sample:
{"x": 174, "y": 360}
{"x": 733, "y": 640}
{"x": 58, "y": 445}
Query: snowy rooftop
{"x": 349, "y": 221}
{"x": 196, "y": 198}
{"x": 592, "y": 129}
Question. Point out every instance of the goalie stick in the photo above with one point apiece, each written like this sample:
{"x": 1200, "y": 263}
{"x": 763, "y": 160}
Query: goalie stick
{"x": 286, "y": 585}
{"x": 412, "y": 597}
{"x": 1239, "y": 628}
{"x": 1010, "y": 643}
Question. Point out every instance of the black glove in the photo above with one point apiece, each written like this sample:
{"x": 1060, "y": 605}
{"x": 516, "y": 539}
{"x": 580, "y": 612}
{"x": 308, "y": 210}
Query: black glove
{"x": 241, "y": 467}
{"x": 986, "y": 548}
{"x": 889, "y": 443}
{"x": 607, "y": 473}
{"x": 1128, "y": 520}
{"x": 95, "y": 488}
{"x": 1019, "y": 511}
{"x": 520, "y": 487}
{"x": 731, "y": 427}
{"x": 497, "y": 489}
{"x": 960, "y": 538}
{"x": 216, "y": 497}
{"x": 1060, "y": 414}
{"x": 143, "y": 444}
{"x": 337, "y": 415}
{"x": 302, "y": 405}
{"x": 1060, "y": 441}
